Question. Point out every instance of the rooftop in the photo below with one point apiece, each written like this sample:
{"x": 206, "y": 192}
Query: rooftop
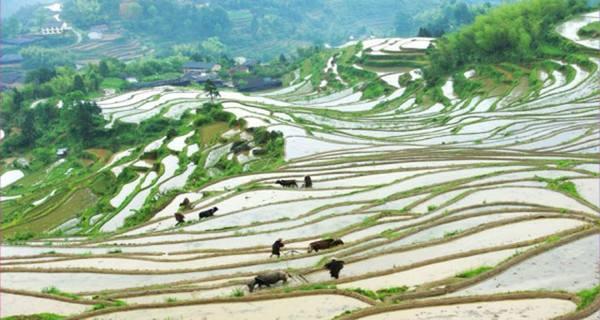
{"x": 198, "y": 65}
{"x": 53, "y": 24}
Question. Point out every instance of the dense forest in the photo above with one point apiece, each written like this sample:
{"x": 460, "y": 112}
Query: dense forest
{"x": 514, "y": 33}
{"x": 447, "y": 17}
{"x": 245, "y": 26}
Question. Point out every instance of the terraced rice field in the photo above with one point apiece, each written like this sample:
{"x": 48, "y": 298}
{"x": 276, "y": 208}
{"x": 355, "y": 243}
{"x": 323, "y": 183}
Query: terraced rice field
{"x": 118, "y": 48}
{"x": 489, "y": 214}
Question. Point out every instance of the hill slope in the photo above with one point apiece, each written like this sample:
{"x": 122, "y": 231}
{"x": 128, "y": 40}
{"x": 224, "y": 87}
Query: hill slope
{"x": 471, "y": 203}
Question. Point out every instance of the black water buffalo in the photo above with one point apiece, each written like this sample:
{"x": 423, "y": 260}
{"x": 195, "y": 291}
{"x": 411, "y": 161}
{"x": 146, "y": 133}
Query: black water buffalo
{"x": 307, "y": 182}
{"x": 207, "y": 213}
{"x": 324, "y": 244}
{"x": 267, "y": 279}
{"x": 180, "y": 218}
{"x": 287, "y": 183}
{"x": 335, "y": 266}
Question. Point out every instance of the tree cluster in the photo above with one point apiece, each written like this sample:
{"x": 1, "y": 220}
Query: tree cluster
{"x": 516, "y": 32}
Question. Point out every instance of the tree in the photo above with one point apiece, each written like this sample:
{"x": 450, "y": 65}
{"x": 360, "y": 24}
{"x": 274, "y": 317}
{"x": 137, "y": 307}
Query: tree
{"x": 37, "y": 57}
{"x": 211, "y": 90}
{"x": 17, "y": 98}
{"x": 28, "y": 128}
{"x": 133, "y": 10}
{"x": 94, "y": 80}
{"x": 515, "y": 32}
{"x": 11, "y": 27}
{"x": 40, "y": 75}
{"x": 85, "y": 13}
{"x": 84, "y": 119}
{"x": 78, "y": 84}
{"x": 103, "y": 68}
{"x": 423, "y": 32}
{"x": 282, "y": 59}
{"x": 172, "y": 133}
{"x": 212, "y": 47}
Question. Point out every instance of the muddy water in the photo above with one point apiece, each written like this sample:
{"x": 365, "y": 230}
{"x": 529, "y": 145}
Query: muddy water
{"x": 498, "y": 310}
{"x": 299, "y": 308}
{"x": 571, "y": 267}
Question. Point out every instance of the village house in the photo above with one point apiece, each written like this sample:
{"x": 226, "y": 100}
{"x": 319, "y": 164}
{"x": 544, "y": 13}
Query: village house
{"x": 238, "y": 69}
{"x": 195, "y": 67}
{"x": 97, "y": 32}
{"x": 256, "y": 84}
{"x": 53, "y": 28}
{"x": 62, "y": 152}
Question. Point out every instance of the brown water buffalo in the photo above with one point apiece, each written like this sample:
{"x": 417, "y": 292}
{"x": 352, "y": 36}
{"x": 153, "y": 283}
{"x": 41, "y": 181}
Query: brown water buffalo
{"x": 324, "y": 244}
{"x": 267, "y": 279}
{"x": 207, "y": 213}
{"x": 287, "y": 183}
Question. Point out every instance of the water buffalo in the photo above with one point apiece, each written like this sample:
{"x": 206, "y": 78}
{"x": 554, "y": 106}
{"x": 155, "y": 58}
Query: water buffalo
{"x": 287, "y": 183}
{"x": 324, "y": 244}
{"x": 207, "y": 213}
{"x": 180, "y": 218}
{"x": 307, "y": 182}
{"x": 267, "y": 279}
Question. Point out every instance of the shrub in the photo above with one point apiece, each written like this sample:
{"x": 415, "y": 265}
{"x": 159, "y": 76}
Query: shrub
{"x": 383, "y": 293}
{"x": 587, "y": 297}
{"x": 222, "y": 116}
{"x": 451, "y": 233}
{"x": 55, "y": 291}
{"x": 21, "y": 236}
{"x": 591, "y": 30}
{"x": 561, "y": 185}
{"x": 473, "y": 272}
{"x": 366, "y": 293}
{"x": 312, "y": 286}
{"x": 380, "y": 294}
{"x": 390, "y": 234}
{"x": 39, "y": 316}
{"x": 237, "y": 293}
{"x": 376, "y": 89}
{"x": 202, "y": 119}
{"x": 172, "y": 133}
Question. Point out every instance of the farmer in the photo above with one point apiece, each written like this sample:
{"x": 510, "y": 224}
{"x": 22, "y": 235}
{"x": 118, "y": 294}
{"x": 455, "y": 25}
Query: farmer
{"x": 335, "y": 266}
{"x": 276, "y": 248}
{"x": 307, "y": 182}
{"x": 180, "y": 218}
{"x": 185, "y": 204}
